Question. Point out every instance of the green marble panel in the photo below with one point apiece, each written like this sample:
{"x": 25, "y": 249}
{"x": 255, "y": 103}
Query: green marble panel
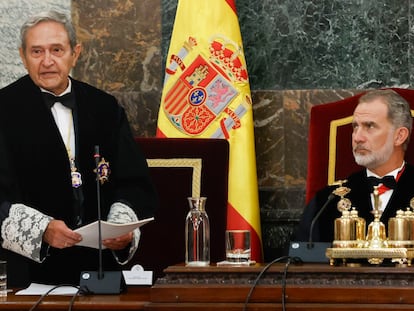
{"x": 308, "y": 44}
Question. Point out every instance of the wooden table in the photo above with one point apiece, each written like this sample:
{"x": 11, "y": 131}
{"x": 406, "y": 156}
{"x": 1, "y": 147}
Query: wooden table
{"x": 135, "y": 298}
{"x": 308, "y": 287}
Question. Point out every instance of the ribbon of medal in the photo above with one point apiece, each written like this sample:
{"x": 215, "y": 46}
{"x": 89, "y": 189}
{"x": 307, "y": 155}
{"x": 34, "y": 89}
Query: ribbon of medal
{"x": 76, "y": 176}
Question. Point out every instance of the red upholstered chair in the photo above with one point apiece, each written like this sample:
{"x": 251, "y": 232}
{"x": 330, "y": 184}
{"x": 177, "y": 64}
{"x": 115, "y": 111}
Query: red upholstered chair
{"x": 329, "y": 148}
{"x": 180, "y": 168}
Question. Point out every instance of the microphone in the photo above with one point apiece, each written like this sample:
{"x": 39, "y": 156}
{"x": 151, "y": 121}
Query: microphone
{"x": 328, "y": 201}
{"x": 310, "y": 251}
{"x": 100, "y": 282}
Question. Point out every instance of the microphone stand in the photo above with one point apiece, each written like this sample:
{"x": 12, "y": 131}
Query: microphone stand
{"x": 100, "y": 282}
{"x": 310, "y": 242}
{"x": 310, "y": 251}
{"x": 98, "y": 197}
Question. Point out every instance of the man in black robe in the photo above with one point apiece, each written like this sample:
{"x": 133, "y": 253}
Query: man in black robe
{"x": 48, "y": 180}
{"x": 382, "y": 125}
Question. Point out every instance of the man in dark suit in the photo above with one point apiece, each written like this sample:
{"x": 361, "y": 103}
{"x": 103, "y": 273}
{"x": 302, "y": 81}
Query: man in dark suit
{"x": 48, "y": 180}
{"x": 382, "y": 125}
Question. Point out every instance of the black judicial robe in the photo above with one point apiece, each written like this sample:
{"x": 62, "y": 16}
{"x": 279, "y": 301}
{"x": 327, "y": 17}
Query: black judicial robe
{"x": 361, "y": 200}
{"x": 34, "y": 170}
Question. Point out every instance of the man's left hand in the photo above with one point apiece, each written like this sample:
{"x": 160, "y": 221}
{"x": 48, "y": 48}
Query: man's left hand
{"x": 118, "y": 243}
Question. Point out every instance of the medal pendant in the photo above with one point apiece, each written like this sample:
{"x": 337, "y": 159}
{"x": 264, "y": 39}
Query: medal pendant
{"x": 76, "y": 176}
{"x": 76, "y": 179}
{"x": 103, "y": 171}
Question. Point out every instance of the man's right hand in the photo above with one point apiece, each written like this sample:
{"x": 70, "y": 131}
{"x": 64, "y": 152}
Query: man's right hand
{"x": 58, "y": 235}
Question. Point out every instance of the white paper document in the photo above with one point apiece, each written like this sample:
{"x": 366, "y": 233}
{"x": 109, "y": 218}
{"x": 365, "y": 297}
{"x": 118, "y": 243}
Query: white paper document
{"x": 40, "y": 289}
{"x": 90, "y": 233}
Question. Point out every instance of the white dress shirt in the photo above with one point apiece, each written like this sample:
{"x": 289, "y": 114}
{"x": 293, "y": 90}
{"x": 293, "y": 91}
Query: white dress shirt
{"x": 386, "y": 196}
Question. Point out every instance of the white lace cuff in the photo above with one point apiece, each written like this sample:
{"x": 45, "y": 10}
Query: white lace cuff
{"x": 22, "y": 231}
{"x": 121, "y": 213}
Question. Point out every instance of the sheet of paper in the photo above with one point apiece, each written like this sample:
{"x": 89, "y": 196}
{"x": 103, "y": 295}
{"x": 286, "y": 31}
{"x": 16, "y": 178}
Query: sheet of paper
{"x": 109, "y": 230}
{"x": 40, "y": 289}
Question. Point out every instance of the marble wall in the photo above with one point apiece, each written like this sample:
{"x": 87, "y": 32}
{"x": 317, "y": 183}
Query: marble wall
{"x": 122, "y": 54}
{"x": 299, "y": 54}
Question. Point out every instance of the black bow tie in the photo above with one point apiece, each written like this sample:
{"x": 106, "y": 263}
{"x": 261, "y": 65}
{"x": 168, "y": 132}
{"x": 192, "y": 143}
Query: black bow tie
{"x": 388, "y": 181}
{"x": 67, "y": 100}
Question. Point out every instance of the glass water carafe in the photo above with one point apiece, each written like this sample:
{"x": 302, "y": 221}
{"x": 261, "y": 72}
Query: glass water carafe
{"x": 197, "y": 233}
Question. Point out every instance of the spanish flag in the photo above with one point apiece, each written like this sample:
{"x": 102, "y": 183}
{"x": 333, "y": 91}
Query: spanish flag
{"x": 206, "y": 94}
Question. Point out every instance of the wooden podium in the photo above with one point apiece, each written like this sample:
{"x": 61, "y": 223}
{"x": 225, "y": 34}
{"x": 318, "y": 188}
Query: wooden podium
{"x": 309, "y": 287}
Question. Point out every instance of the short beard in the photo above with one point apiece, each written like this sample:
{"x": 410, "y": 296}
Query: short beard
{"x": 371, "y": 161}
{"x": 374, "y": 160}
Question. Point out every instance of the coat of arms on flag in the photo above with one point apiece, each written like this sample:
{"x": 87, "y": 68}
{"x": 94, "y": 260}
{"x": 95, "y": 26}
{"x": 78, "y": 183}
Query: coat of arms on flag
{"x": 205, "y": 89}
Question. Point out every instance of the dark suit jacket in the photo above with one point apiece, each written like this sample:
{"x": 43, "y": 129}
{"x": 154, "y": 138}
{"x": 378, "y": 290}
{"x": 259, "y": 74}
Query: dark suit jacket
{"x": 360, "y": 198}
{"x": 34, "y": 170}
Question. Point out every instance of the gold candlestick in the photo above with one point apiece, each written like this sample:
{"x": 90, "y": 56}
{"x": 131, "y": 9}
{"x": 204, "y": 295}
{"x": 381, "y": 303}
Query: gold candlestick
{"x": 376, "y": 237}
